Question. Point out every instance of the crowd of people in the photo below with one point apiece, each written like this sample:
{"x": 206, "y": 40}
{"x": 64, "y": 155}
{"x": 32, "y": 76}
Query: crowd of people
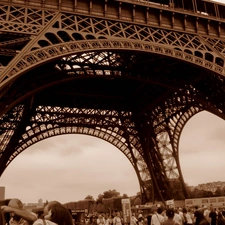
{"x": 163, "y": 216}
{"x": 185, "y": 216}
{"x": 54, "y": 213}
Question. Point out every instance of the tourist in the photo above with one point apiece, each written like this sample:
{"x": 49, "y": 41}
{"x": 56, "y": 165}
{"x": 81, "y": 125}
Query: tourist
{"x": 170, "y": 218}
{"x": 188, "y": 220}
{"x": 201, "y": 218}
{"x": 206, "y": 212}
{"x": 220, "y": 219}
{"x": 18, "y": 215}
{"x": 157, "y": 217}
{"x": 133, "y": 220}
{"x": 55, "y": 214}
{"x": 212, "y": 216}
{"x": 4, "y": 217}
{"x": 100, "y": 220}
{"x": 117, "y": 219}
{"x": 177, "y": 218}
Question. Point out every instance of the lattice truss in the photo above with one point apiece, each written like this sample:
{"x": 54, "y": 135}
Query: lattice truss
{"x": 75, "y": 41}
{"x": 167, "y": 119}
{"x": 51, "y": 121}
{"x": 168, "y": 153}
{"x": 107, "y": 125}
{"x": 166, "y": 132}
{"x": 65, "y": 33}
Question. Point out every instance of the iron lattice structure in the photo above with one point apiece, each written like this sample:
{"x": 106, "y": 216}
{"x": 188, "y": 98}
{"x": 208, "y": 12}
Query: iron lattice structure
{"x": 129, "y": 72}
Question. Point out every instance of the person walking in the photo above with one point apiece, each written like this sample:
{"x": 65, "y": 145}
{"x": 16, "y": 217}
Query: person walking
{"x": 157, "y": 217}
{"x": 170, "y": 218}
{"x": 117, "y": 219}
{"x": 187, "y": 217}
{"x": 100, "y": 220}
{"x": 133, "y": 220}
{"x": 212, "y": 216}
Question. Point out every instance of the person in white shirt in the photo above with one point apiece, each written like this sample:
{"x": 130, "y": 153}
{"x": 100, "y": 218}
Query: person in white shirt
{"x": 157, "y": 217}
{"x": 100, "y": 220}
{"x": 117, "y": 219}
{"x": 188, "y": 220}
{"x": 180, "y": 212}
{"x": 206, "y": 213}
{"x": 133, "y": 220}
{"x": 107, "y": 220}
{"x": 140, "y": 219}
{"x": 177, "y": 218}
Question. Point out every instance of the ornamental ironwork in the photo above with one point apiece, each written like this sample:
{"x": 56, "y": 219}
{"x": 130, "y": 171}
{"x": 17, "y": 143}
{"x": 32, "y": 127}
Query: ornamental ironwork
{"x": 129, "y": 72}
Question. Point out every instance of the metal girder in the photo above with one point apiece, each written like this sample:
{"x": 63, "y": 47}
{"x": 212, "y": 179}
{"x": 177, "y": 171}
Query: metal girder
{"x": 156, "y": 164}
{"x": 132, "y": 75}
{"x": 20, "y": 129}
{"x": 191, "y": 46}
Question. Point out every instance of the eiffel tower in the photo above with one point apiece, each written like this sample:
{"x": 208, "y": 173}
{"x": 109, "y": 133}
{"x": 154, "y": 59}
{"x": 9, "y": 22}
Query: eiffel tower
{"x": 131, "y": 72}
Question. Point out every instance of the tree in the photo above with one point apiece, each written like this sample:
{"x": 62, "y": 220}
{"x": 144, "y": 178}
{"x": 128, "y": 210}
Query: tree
{"x": 107, "y": 194}
{"x": 99, "y": 199}
{"x": 125, "y": 196}
{"x": 223, "y": 191}
{"x": 207, "y": 194}
{"x": 111, "y": 194}
{"x": 108, "y": 202}
{"x": 196, "y": 193}
{"x": 117, "y": 204}
{"x": 89, "y": 197}
{"x": 136, "y": 201}
{"x": 111, "y": 200}
{"x": 101, "y": 208}
{"x": 218, "y": 192}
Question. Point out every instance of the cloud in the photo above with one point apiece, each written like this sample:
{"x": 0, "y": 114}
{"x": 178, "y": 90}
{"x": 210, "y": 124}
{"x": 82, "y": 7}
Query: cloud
{"x": 222, "y": 1}
{"x": 204, "y": 130}
{"x": 51, "y": 174}
{"x": 69, "y": 144}
{"x": 201, "y": 149}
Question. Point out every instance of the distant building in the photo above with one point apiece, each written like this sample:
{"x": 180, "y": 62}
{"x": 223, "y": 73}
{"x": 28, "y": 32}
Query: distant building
{"x": 40, "y": 203}
{"x": 31, "y": 206}
{"x": 2, "y": 193}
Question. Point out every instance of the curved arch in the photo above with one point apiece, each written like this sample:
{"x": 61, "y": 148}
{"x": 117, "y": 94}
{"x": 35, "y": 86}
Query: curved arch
{"x": 188, "y": 51}
{"x": 167, "y": 131}
{"x": 219, "y": 61}
{"x": 90, "y": 37}
{"x": 32, "y": 59}
{"x": 77, "y": 36}
{"x": 178, "y": 123}
{"x": 43, "y": 43}
{"x": 209, "y": 57}
{"x": 52, "y": 38}
{"x": 64, "y": 36}
{"x": 198, "y": 54}
{"x": 36, "y": 134}
{"x": 39, "y": 133}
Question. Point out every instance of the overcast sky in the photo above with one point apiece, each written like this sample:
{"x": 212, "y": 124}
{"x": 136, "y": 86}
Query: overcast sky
{"x": 220, "y": 1}
{"x": 70, "y": 167}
